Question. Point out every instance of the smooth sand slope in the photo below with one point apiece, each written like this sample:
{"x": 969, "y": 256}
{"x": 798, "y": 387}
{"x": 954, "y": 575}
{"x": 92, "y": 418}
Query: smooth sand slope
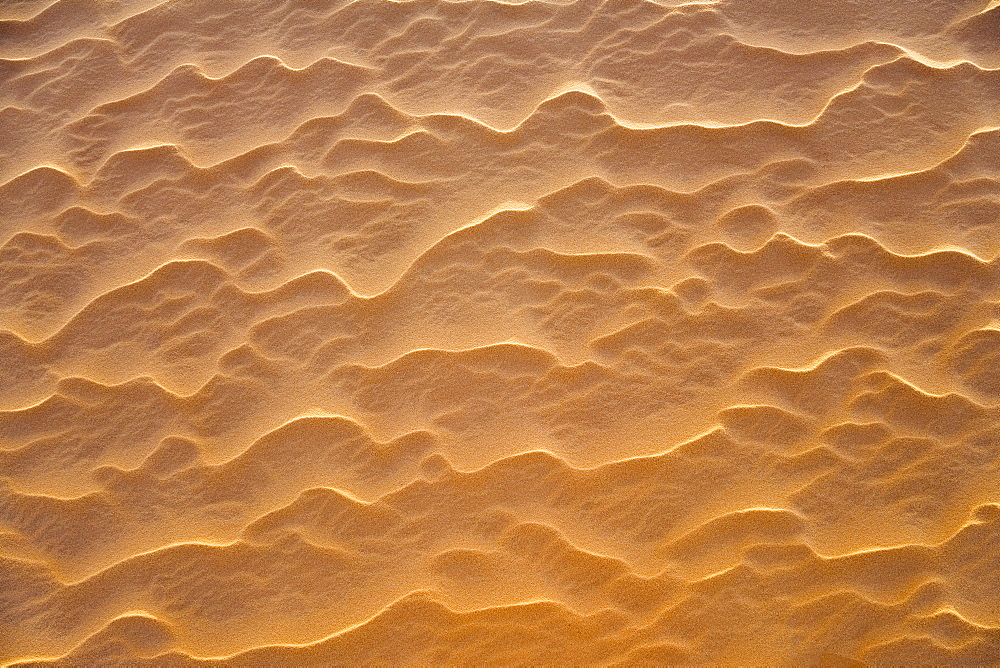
{"x": 468, "y": 332}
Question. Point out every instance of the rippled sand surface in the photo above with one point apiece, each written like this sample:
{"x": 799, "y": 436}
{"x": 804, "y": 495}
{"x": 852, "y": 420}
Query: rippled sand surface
{"x": 468, "y": 332}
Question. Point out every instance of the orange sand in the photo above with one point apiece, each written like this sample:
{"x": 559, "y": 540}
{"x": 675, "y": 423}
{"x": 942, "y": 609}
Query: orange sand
{"x": 468, "y": 332}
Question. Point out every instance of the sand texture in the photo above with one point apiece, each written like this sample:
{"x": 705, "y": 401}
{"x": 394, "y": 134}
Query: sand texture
{"x": 481, "y": 332}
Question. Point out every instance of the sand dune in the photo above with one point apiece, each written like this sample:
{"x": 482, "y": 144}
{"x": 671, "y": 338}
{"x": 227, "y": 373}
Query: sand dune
{"x": 576, "y": 332}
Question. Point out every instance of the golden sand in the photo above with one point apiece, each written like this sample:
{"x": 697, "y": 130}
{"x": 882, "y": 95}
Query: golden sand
{"x": 468, "y": 332}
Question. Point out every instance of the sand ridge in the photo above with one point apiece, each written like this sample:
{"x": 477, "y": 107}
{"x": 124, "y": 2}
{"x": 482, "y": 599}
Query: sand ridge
{"x": 468, "y": 332}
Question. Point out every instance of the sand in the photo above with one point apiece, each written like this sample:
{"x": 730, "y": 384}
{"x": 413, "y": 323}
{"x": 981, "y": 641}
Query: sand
{"x": 469, "y": 332}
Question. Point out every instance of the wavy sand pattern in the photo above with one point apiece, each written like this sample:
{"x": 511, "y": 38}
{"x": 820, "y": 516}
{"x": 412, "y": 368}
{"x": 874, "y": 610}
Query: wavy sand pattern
{"x": 469, "y": 332}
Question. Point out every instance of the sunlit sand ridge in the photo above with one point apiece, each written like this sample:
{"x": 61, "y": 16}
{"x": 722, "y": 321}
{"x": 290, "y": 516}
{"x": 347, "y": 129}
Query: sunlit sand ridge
{"x": 468, "y": 332}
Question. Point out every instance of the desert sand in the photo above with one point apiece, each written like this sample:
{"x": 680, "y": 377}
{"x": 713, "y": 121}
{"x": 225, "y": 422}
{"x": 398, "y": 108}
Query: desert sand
{"x": 481, "y": 332}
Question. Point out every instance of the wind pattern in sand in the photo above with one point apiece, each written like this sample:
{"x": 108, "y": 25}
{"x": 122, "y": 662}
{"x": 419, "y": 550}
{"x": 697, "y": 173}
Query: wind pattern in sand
{"x": 468, "y": 332}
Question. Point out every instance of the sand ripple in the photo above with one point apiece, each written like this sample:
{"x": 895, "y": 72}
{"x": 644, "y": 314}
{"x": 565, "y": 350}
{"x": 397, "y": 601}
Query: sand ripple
{"x": 595, "y": 332}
